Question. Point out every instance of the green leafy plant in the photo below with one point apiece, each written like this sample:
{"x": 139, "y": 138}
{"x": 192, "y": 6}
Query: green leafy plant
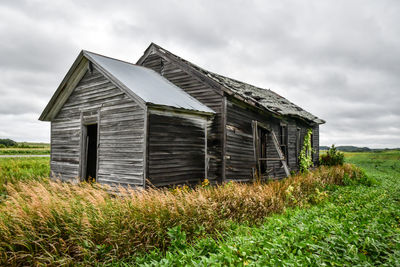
{"x": 305, "y": 157}
{"x": 332, "y": 158}
{"x": 177, "y": 237}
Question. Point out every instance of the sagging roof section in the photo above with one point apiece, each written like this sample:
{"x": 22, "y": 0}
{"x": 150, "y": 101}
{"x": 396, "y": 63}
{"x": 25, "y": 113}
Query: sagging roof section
{"x": 265, "y": 98}
{"x": 148, "y": 84}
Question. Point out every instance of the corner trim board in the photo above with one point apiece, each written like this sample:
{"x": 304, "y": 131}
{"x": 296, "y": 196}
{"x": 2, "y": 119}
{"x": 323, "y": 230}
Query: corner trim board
{"x": 224, "y": 137}
{"x": 205, "y": 151}
{"x": 145, "y": 145}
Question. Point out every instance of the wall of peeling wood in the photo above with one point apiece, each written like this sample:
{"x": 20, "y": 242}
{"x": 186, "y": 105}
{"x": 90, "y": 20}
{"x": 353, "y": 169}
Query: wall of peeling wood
{"x": 240, "y": 157}
{"x": 176, "y": 148}
{"x": 240, "y": 154}
{"x": 205, "y": 94}
{"x": 121, "y": 132}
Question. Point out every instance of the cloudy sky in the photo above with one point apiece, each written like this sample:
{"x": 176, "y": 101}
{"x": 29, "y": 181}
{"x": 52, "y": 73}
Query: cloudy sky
{"x": 340, "y": 60}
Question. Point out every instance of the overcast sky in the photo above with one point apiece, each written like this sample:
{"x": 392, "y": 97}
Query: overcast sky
{"x": 340, "y": 60}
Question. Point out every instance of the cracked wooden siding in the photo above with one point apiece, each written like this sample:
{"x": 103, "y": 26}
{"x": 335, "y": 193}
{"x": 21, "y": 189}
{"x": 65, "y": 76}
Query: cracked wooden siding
{"x": 121, "y": 132}
{"x": 206, "y": 95}
{"x": 176, "y": 148}
{"x": 240, "y": 157}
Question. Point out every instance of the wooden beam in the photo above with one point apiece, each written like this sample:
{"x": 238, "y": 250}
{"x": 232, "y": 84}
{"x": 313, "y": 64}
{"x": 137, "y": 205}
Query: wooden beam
{"x": 255, "y": 147}
{"x": 264, "y": 126}
{"x": 272, "y": 159}
{"x": 145, "y": 145}
{"x": 64, "y": 90}
{"x": 81, "y": 147}
{"x": 224, "y": 119}
{"x": 205, "y": 151}
{"x": 280, "y": 153}
{"x": 98, "y": 143}
{"x": 179, "y": 110}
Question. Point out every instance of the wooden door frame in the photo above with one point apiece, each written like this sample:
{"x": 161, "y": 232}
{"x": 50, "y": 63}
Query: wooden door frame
{"x": 85, "y": 121}
{"x": 282, "y": 159}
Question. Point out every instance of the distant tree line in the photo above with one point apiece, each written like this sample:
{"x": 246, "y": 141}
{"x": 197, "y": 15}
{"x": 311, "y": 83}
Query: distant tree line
{"x": 8, "y": 143}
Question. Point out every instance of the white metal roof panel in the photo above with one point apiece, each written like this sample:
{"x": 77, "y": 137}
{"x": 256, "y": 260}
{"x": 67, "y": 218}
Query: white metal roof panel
{"x": 148, "y": 84}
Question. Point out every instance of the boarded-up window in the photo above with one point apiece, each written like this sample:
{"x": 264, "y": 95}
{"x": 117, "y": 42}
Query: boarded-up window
{"x": 262, "y": 141}
{"x": 298, "y": 132}
{"x": 284, "y": 141}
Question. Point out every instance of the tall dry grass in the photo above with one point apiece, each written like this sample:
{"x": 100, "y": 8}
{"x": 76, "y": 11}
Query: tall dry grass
{"x": 59, "y": 223}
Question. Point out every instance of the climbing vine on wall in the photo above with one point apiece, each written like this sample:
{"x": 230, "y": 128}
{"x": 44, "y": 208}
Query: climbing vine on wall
{"x": 305, "y": 157}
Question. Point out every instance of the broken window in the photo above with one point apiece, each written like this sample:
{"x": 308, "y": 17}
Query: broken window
{"x": 298, "y": 140}
{"x": 262, "y": 147}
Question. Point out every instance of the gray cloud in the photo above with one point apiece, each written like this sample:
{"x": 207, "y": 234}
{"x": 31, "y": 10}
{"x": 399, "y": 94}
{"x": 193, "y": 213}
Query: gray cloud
{"x": 338, "y": 59}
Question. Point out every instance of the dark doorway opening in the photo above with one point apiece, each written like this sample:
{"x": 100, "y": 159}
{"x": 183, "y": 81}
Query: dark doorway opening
{"x": 91, "y": 152}
{"x": 263, "y": 143}
{"x": 284, "y": 142}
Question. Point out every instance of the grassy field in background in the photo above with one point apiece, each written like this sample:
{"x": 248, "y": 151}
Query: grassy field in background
{"x": 24, "y": 151}
{"x": 13, "y": 170}
{"x": 27, "y": 149}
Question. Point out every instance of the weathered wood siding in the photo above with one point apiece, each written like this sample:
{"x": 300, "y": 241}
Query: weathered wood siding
{"x": 206, "y": 95}
{"x": 316, "y": 144}
{"x": 121, "y": 132}
{"x": 275, "y": 169}
{"x": 239, "y": 143}
{"x": 240, "y": 154}
{"x": 239, "y": 136}
{"x": 176, "y": 148}
{"x": 293, "y": 145}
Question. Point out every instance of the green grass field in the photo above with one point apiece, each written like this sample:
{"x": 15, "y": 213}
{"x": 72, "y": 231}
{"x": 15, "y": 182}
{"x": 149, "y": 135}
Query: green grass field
{"x": 13, "y": 170}
{"x": 26, "y": 149}
{"x": 357, "y": 224}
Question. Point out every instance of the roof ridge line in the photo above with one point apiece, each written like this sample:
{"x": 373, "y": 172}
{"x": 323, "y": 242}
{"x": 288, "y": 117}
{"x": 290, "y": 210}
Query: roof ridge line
{"x": 206, "y": 70}
{"x": 116, "y": 59}
{"x": 134, "y": 94}
{"x": 240, "y": 92}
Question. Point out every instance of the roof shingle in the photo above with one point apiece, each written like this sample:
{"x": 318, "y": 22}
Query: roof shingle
{"x": 265, "y": 98}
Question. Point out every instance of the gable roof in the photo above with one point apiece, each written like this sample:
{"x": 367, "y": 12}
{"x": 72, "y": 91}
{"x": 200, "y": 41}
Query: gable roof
{"x": 138, "y": 82}
{"x": 263, "y": 98}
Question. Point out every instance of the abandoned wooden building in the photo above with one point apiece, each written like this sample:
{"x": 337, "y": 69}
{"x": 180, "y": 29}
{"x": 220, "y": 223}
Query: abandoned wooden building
{"x": 165, "y": 121}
